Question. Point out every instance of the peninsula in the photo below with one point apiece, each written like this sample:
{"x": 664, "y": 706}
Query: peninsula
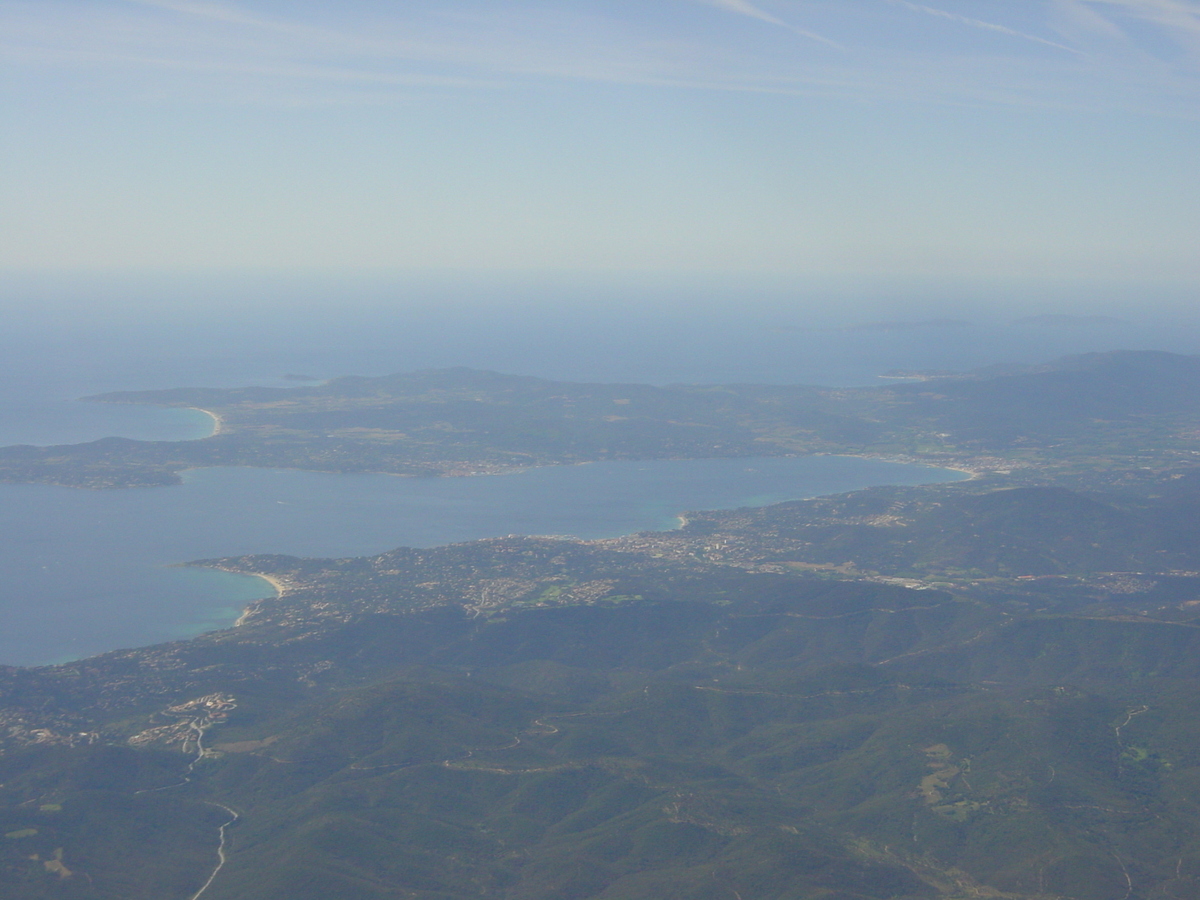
{"x": 1107, "y": 410}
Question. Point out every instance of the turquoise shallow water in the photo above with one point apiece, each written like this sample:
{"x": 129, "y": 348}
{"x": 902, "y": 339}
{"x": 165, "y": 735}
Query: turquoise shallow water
{"x": 86, "y": 571}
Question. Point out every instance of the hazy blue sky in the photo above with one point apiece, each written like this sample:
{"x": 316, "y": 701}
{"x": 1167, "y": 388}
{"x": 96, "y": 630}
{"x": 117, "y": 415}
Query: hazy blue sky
{"x": 1017, "y": 138}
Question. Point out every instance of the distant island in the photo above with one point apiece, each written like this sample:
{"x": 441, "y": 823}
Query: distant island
{"x": 919, "y": 374}
{"x": 908, "y": 325}
{"x": 1068, "y": 321}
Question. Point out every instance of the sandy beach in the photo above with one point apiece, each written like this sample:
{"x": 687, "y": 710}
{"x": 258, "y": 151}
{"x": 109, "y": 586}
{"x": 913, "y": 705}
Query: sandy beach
{"x": 280, "y": 586}
{"x": 280, "y": 589}
{"x": 218, "y": 422}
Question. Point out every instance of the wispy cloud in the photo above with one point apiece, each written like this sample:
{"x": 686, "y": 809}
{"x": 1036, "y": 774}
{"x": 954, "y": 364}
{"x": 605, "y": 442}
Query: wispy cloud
{"x": 509, "y": 43}
{"x": 1178, "y": 16}
{"x": 205, "y": 10}
{"x": 979, "y": 23}
{"x": 1075, "y": 19}
{"x": 743, "y": 8}
{"x": 519, "y": 43}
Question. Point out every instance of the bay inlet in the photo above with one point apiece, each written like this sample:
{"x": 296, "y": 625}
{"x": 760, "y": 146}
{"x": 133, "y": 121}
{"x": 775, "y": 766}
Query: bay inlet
{"x": 84, "y": 572}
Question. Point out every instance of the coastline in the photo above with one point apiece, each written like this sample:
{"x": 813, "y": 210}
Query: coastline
{"x": 279, "y": 586}
{"x": 973, "y": 472}
{"x": 218, "y": 422}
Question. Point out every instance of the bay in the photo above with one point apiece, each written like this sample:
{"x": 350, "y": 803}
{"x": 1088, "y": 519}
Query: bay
{"x": 82, "y": 572}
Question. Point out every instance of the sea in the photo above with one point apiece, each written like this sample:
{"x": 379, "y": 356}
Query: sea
{"x": 84, "y": 572}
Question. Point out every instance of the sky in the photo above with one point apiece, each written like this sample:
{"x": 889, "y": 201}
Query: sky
{"x": 774, "y": 138}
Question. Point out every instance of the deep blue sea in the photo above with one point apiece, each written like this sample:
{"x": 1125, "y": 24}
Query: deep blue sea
{"x": 82, "y": 572}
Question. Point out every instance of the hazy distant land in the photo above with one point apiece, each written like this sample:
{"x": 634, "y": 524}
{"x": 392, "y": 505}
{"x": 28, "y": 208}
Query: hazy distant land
{"x": 1115, "y": 407}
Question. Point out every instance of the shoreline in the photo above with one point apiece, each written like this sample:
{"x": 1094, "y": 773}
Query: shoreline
{"x": 218, "y": 422}
{"x": 956, "y": 466}
{"x": 280, "y": 587}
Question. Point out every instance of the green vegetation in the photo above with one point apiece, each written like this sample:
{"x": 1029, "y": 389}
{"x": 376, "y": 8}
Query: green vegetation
{"x": 986, "y": 689}
{"x": 726, "y": 731}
